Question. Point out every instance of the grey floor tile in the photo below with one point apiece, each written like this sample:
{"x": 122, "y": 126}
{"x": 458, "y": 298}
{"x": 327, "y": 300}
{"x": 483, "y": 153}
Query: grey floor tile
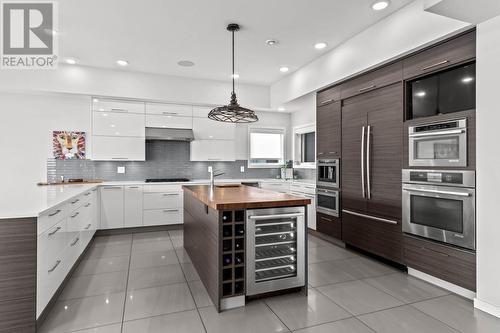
{"x": 200, "y": 294}
{"x": 149, "y": 236}
{"x": 163, "y": 244}
{"x": 115, "y": 328}
{"x": 180, "y": 322}
{"x": 178, "y": 233}
{"x": 359, "y": 297}
{"x": 406, "y": 288}
{"x": 329, "y": 272}
{"x": 155, "y": 301}
{"x": 404, "y": 319}
{"x": 327, "y": 253}
{"x": 299, "y": 311}
{"x": 182, "y": 255}
{"x": 155, "y": 276}
{"x": 350, "y": 325}
{"x": 84, "y": 313}
{"x": 315, "y": 242}
{"x": 93, "y": 285}
{"x": 112, "y": 239}
{"x": 362, "y": 267}
{"x": 102, "y": 265}
{"x": 255, "y": 317}
{"x": 190, "y": 272}
{"x": 460, "y": 314}
{"x": 178, "y": 242}
{"x": 153, "y": 259}
{"x": 108, "y": 250}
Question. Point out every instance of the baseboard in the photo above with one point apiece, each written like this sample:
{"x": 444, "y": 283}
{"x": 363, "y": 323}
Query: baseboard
{"x": 487, "y": 307}
{"x": 133, "y": 230}
{"x": 442, "y": 283}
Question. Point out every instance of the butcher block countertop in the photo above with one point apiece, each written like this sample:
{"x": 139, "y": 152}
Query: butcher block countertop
{"x": 242, "y": 197}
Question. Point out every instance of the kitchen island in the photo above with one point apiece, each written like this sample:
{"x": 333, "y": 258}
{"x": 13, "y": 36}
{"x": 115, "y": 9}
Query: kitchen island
{"x": 245, "y": 241}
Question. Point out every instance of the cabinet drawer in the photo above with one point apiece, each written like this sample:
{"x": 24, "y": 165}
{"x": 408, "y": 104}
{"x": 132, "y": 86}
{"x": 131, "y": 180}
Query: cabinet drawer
{"x": 372, "y": 80}
{"x": 169, "y": 109}
{"x": 328, "y": 96}
{"x": 380, "y": 238}
{"x": 308, "y": 189}
{"x": 450, "y": 53}
{"x": 108, "y": 148}
{"x": 51, "y": 217}
{"x": 160, "y": 121}
{"x": 114, "y": 105}
{"x": 49, "y": 278}
{"x": 162, "y": 216}
{"x": 162, "y": 200}
{"x": 162, "y": 188}
{"x": 329, "y": 225}
{"x": 444, "y": 262}
{"x": 118, "y": 124}
{"x": 277, "y": 187}
{"x": 51, "y": 243}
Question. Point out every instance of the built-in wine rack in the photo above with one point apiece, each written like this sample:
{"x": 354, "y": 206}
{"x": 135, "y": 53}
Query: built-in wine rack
{"x": 233, "y": 253}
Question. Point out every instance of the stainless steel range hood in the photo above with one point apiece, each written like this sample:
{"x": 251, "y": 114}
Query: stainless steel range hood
{"x": 169, "y": 134}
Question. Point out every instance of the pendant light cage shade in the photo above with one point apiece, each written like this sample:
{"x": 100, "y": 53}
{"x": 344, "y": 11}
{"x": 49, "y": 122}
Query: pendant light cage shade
{"x": 233, "y": 112}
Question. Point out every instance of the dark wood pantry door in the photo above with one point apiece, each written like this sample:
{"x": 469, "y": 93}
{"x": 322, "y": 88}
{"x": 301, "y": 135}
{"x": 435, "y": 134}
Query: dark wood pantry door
{"x": 329, "y": 131}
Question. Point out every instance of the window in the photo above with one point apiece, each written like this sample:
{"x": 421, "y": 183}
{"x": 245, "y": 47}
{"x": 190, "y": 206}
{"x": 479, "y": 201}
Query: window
{"x": 304, "y": 146}
{"x": 266, "y": 147}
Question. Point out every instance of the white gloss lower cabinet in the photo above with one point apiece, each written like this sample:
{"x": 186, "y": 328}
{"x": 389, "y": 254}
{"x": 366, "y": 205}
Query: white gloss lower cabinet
{"x": 133, "y": 199}
{"x": 213, "y": 150}
{"x": 164, "y": 216}
{"x": 118, "y": 148}
{"x": 112, "y": 207}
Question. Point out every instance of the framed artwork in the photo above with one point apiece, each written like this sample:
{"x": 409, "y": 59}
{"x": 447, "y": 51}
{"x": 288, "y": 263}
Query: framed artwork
{"x": 68, "y": 145}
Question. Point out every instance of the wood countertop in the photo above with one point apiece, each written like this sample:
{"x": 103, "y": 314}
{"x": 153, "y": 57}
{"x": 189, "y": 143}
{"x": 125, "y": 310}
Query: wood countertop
{"x": 242, "y": 197}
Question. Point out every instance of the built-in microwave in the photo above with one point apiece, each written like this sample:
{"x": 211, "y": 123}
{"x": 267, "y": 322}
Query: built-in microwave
{"x": 440, "y": 144}
{"x": 327, "y": 201}
{"x": 328, "y": 173}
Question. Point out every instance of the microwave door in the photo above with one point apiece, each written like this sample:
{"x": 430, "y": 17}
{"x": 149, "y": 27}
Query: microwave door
{"x": 441, "y": 148}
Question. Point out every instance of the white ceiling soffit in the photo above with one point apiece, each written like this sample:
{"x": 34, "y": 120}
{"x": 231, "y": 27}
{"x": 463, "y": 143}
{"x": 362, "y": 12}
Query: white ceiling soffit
{"x": 471, "y": 11}
{"x": 153, "y": 35}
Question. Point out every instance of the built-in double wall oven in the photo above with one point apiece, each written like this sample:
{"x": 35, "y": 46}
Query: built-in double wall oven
{"x": 327, "y": 193}
{"x": 440, "y": 205}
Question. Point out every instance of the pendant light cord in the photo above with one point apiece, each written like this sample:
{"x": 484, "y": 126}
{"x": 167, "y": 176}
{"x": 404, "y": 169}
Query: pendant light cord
{"x": 233, "y": 59}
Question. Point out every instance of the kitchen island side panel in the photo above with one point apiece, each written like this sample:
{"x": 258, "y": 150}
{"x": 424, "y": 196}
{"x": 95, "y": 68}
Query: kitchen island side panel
{"x": 202, "y": 243}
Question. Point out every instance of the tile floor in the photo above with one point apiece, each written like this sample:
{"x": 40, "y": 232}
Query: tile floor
{"x": 145, "y": 283}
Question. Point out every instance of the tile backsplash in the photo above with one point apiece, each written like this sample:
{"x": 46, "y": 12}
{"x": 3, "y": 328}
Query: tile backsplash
{"x": 164, "y": 159}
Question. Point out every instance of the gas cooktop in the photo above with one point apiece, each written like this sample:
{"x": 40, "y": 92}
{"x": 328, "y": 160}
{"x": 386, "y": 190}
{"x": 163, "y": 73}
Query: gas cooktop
{"x": 166, "y": 180}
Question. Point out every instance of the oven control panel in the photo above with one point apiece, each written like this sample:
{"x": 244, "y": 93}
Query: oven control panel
{"x": 437, "y": 177}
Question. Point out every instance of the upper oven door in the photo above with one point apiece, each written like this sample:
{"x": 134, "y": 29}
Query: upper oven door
{"x": 328, "y": 173}
{"x": 443, "y": 213}
{"x": 441, "y": 148}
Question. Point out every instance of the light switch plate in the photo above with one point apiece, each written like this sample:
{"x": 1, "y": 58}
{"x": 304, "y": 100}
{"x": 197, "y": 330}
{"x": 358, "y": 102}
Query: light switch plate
{"x": 242, "y": 168}
{"x": 120, "y": 169}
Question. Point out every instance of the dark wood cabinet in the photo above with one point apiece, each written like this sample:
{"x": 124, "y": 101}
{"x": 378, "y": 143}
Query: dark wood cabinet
{"x": 327, "y": 96}
{"x": 329, "y": 225}
{"x": 381, "y": 238}
{"x": 445, "y": 262}
{"x": 372, "y": 80}
{"x": 451, "y": 53}
{"x": 328, "y": 130}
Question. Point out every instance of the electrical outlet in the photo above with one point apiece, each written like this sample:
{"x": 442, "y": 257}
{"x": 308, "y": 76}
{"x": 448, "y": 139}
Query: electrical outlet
{"x": 242, "y": 168}
{"x": 120, "y": 169}
{"x": 209, "y": 168}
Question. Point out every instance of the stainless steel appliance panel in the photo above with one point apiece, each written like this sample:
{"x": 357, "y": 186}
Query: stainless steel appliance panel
{"x": 327, "y": 201}
{"x": 328, "y": 173}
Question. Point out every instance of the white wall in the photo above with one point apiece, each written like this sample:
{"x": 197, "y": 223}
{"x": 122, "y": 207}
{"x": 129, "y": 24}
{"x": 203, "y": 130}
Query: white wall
{"x": 396, "y": 35}
{"x": 488, "y": 166}
{"x": 303, "y": 110}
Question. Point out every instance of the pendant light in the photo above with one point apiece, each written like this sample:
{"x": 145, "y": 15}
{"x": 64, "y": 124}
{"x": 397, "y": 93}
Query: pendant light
{"x": 233, "y": 112}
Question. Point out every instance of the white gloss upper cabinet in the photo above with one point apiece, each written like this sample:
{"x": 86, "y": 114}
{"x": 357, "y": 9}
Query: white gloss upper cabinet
{"x": 118, "y": 148}
{"x": 176, "y": 110}
{"x": 207, "y": 129}
{"x": 133, "y": 206}
{"x": 116, "y": 105}
{"x": 160, "y": 121}
{"x": 118, "y": 124}
{"x": 213, "y": 150}
{"x": 112, "y": 207}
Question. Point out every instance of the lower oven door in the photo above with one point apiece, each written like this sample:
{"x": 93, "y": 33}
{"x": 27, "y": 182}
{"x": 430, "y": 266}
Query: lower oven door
{"x": 443, "y": 213}
{"x": 275, "y": 249}
{"x": 327, "y": 202}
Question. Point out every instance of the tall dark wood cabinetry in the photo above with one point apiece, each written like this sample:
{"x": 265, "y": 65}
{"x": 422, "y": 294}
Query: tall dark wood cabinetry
{"x": 328, "y": 128}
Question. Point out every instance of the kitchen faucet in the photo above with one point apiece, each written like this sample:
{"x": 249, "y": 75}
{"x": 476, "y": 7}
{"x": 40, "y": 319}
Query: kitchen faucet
{"x": 213, "y": 174}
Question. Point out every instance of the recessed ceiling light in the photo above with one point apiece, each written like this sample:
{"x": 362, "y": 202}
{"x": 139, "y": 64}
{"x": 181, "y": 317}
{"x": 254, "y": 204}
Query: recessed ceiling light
{"x": 281, "y": 108}
{"x": 284, "y": 69}
{"x": 235, "y": 76}
{"x": 271, "y": 42}
{"x": 71, "y": 61}
{"x": 319, "y": 46}
{"x": 379, "y": 5}
{"x": 122, "y": 62}
{"x": 185, "y": 63}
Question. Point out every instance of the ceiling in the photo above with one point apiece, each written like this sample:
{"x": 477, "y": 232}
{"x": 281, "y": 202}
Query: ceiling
{"x": 153, "y": 35}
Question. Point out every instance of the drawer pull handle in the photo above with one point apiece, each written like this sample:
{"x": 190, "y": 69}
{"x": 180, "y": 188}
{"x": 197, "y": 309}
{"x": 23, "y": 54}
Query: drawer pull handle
{"x": 94, "y": 190}
{"x": 367, "y": 88}
{"x": 88, "y": 226}
{"x": 170, "y": 210}
{"x": 435, "y": 65}
{"x": 171, "y": 113}
{"x": 112, "y": 188}
{"x": 169, "y": 194}
{"x": 332, "y": 152}
{"x": 434, "y": 251}
{"x": 76, "y": 241}
{"x": 370, "y": 217}
{"x": 326, "y": 101}
{"x": 74, "y": 202}
{"x": 87, "y": 194}
{"x": 321, "y": 153}
{"x": 75, "y": 215}
{"x": 87, "y": 205}
{"x": 324, "y": 218}
{"x": 55, "y": 213}
{"x": 54, "y": 267}
{"x": 133, "y": 187}
{"x": 119, "y": 110}
{"x": 55, "y": 231}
